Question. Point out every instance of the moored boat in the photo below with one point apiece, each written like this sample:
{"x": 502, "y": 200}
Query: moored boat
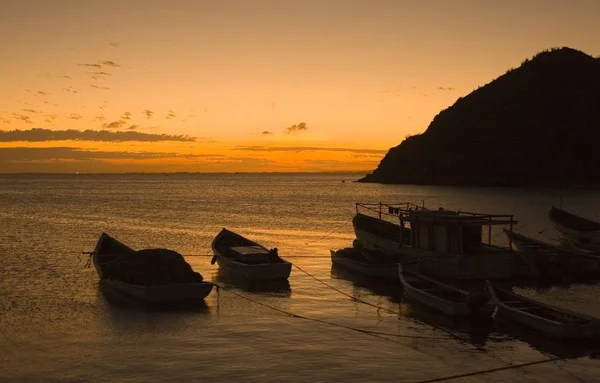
{"x": 446, "y": 243}
{"x": 150, "y": 276}
{"x": 581, "y": 232}
{"x": 245, "y": 258}
{"x": 368, "y": 262}
{"x": 448, "y": 299}
{"x": 108, "y": 249}
{"x": 553, "y": 321}
{"x": 559, "y": 259}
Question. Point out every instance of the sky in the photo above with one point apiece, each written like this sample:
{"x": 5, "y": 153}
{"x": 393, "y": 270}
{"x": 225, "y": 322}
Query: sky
{"x": 252, "y": 85}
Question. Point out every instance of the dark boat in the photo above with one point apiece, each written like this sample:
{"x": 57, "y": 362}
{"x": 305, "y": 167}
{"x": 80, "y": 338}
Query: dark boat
{"x": 580, "y": 232}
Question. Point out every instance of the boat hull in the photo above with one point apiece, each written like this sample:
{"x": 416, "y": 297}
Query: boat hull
{"x": 254, "y": 273}
{"x": 159, "y": 294}
{"x": 387, "y": 270}
{"x": 581, "y": 232}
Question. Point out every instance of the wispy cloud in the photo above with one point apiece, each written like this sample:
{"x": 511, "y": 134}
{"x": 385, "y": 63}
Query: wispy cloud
{"x": 30, "y": 110}
{"x": 267, "y": 133}
{"x": 75, "y": 116}
{"x": 25, "y": 154}
{"x": 91, "y": 65}
{"x": 445, "y": 88}
{"x": 148, "y": 113}
{"x": 126, "y": 116}
{"x": 71, "y": 90}
{"x": 100, "y": 87}
{"x": 110, "y": 63}
{"x": 296, "y": 128}
{"x": 113, "y": 44}
{"x": 306, "y": 149}
{"x": 40, "y": 135}
{"x": 41, "y": 93}
{"x": 133, "y": 127}
{"x": 170, "y": 115}
{"x": 22, "y": 117}
{"x": 114, "y": 125}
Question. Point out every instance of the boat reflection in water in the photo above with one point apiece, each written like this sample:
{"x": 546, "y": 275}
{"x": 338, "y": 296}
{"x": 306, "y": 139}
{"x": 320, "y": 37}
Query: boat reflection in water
{"x": 276, "y": 288}
{"x": 122, "y": 301}
{"x": 474, "y": 329}
{"x": 387, "y": 287}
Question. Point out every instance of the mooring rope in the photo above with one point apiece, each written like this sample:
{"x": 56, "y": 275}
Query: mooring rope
{"x": 369, "y": 332}
{"x": 513, "y": 366}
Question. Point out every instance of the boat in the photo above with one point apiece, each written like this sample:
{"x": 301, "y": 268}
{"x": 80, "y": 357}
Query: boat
{"x": 581, "y": 232}
{"x": 448, "y": 299}
{"x": 364, "y": 261}
{"x": 555, "y": 258}
{"x": 108, "y": 249}
{"x": 245, "y": 258}
{"x": 446, "y": 243}
{"x": 160, "y": 294}
{"x": 150, "y": 276}
{"x": 553, "y": 321}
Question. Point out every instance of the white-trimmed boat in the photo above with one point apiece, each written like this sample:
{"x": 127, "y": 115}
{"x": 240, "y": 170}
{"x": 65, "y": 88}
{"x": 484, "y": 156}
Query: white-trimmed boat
{"x": 108, "y": 250}
{"x": 581, "y": 232}
{"x": 553, "y": 321}
{"x": 242, "y": 257}
{"x": 450, "y": 300}
{"x": 368, "y": 262}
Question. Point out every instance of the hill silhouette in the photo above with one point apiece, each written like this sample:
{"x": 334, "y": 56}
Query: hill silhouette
{"x": 537, "y": 125}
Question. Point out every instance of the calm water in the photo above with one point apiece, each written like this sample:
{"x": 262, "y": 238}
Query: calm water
{"x": 56, "y": 325}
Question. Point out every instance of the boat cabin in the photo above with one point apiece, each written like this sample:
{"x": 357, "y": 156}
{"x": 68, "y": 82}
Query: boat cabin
{"x": 447, "y": 231}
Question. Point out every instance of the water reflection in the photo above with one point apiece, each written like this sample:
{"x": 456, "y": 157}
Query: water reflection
{"x": 124, "y": 303}
{"x": 276, "y": 288}
{"x": 474, "y": 329}
{"x": 388, "y": 287}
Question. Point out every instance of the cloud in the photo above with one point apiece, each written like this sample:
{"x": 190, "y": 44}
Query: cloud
{"x": 66, "y": 77}
{"x": 40, "y": 135}
{"x": 25, "y": 154}
{"x": 110, "y": 63}
{"x": 71, "y": 90}
{"x": 113, "y": 44}
{"x": 99, "y": 87}
{"x": 148, "y": 113}
{"x": 22, "y": 117}
{"x": 91, "y": 65}
{"x": 266, "y": 133}
{"x": 296, "y": 128}
{"x": 99, "y": 117}
{"x": 114, "y": 125}
{"x": 30, "y": 110}
{"x": 126, "y": 116}
{"x": 170, "y": 115}
{"x": 307, "y": 149}
{"x": 4, "y": 120}
{"x": 133, "y": 127}
{"x": 445, "y": 88}
{"x": 75, "y": 116}
{"x": 41, "y": 93}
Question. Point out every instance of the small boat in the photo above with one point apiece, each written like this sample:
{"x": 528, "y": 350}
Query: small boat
{"x": 151, "y": 276}
{"x": 579, "y": 231}
{"x": 108, "y": 249}
{"x": 450, "y": 300}
{"x": 242, "y": 257}
{"x": 556, "y": 257}
{"x": 553, "y": 321}
{"x": 160, "y": 294}
{"x": 368, "y": 262}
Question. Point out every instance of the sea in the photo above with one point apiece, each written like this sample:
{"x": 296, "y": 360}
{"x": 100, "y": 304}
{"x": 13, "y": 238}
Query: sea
{"x": 323, "y": 325}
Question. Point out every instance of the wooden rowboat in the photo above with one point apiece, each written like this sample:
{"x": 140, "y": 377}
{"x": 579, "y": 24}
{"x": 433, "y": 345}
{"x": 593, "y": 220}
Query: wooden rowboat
{"x": 450, "y": 300}
{"x": 553, "y": 321}
{"x": 244, "y": 258}
{"x": 365, "y": 261}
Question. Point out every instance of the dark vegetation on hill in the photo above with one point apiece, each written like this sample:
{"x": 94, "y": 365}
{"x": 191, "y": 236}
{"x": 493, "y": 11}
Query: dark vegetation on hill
{"x": 537, "y": 125}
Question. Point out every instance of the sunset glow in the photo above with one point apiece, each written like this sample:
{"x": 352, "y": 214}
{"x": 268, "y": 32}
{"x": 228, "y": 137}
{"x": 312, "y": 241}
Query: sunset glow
{"x": 242, "y": 86}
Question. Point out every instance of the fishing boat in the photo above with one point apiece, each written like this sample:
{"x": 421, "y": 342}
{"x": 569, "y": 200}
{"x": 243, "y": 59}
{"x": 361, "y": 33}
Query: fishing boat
{"x": 560, "y": 259}
{"x": 446, "y": 243}
{"x": 245, "y": 258}
{"x": 553, "y": 321}
{"x": 364, "y": 261}
{"x": 581, "y": 232}
{"x": 108, "y": 249}
{"x": 150, "y": 276}
{"x": 450, "y": 300}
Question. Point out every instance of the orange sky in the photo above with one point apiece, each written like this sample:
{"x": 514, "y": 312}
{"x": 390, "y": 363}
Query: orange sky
{"x": 252, "y": 85}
